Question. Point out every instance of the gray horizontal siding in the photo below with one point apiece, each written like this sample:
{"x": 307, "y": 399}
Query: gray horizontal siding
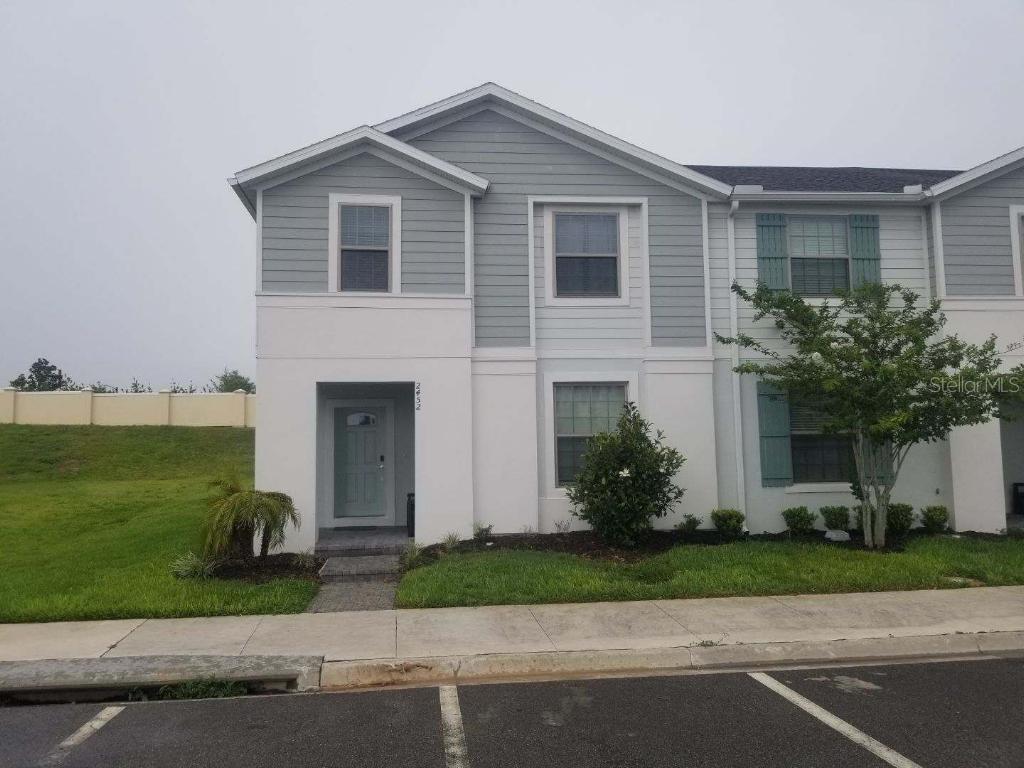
{"x": 591, "y": 327}
{"x": 521, "y": 161}
{"x": 901, "y": 242}
{"x": 295, "y": 227}
{"x": 976, "y": 250}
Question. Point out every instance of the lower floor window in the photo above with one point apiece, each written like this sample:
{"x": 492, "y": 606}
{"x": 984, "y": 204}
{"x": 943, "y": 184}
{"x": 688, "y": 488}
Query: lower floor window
{"x": 582, "y": 411}
{"x": 822, "y": 458}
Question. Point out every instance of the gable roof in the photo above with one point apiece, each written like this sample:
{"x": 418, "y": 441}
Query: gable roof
{"x": 979, "y": 172}
{"x": 717, "y": 181}
{"x": 440, "y": 170}
{"x": 491, "y": 93}
{"x": 814, "y": 179}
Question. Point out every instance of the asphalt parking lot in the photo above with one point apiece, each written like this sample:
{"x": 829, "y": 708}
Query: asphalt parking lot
{"x": 926, "y": 714}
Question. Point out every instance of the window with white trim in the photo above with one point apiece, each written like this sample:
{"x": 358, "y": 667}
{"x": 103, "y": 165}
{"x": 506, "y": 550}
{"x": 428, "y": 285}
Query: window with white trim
{"x": 581, "y": 411}
{"x": 587, "y": 254}
{"x": 819, "y": 255}
{"x": 365, "y": 247}
{"x": 818, "y": 457}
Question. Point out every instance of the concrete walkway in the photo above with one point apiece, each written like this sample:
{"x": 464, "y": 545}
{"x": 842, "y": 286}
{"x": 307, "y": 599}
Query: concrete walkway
{"x": 399, "y": 639}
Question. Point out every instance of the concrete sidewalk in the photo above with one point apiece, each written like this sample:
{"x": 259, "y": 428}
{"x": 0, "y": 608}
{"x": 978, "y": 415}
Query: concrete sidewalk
{"x": 373, "y": 647}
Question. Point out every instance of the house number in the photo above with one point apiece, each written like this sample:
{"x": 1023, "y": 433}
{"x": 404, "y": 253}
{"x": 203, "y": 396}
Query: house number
{"x": 419, "y": 397}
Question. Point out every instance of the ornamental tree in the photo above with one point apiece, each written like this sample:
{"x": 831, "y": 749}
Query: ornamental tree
{"x": 877, "y": 366}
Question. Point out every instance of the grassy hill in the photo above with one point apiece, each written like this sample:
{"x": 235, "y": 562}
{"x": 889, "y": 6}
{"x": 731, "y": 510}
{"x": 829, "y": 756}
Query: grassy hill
{"x": 90, "y": 518}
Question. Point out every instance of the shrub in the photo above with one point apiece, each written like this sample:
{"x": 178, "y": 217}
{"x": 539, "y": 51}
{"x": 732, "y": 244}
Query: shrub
{"x": 799, "y": 520}
{"x": 728, "y": 522}
{"x": 688, "y": 525}
{"x": 900, "y": 519}
{"x": 451, "y": 542}
{"x": 563, "y": 526}
{"x": 626, "y": 481}
{"x": 237, "y": 514}
{"x": 935, "y": 519}
{"x": 481, "y": 532}
{"x": 837, "y": 518}
{"x": 306, "y": 560}
{"x": 412, "y": 556}
{"x": 193, "y": 566}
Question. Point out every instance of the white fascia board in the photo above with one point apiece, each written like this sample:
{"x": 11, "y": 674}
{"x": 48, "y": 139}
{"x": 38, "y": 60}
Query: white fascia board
{"x": 539, "y": 111}
{"x": 250, "y": 206}
{"x": 470, "y": 182}
{"x": 830, "y": 197}
{"x": 976, "y": 173}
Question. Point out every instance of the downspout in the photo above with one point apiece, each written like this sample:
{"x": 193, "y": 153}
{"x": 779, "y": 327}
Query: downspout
{"x": 737, "y": 405}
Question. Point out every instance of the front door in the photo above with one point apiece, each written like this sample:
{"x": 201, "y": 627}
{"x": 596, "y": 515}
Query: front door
{"x": 362, "y": 465}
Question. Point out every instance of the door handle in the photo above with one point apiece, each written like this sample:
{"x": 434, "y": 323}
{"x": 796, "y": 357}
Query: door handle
{"x": 381, "y": 465}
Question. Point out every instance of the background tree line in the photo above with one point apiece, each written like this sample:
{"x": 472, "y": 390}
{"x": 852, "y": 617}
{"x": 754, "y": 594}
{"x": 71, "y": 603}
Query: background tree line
{"x": 44, "y": 376}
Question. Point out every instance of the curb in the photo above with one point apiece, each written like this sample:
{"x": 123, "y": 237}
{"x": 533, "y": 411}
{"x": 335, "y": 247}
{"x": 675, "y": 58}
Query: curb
{"x": 298, "y": 673}
{"x": 345, "y": 675}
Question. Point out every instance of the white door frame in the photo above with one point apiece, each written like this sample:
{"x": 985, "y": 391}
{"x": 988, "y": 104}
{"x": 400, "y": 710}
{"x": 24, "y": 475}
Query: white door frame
{"x": 388, "y": 518}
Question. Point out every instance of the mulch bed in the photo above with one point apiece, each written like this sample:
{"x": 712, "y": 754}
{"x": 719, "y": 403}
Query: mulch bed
{"x": 584, "y": 544}
{"x": 587, "y": 544}
{"x": 281, "y": 566}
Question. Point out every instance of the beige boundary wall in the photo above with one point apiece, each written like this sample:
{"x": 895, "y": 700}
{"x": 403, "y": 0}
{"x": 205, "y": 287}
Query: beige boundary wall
{"x": 232, "y": 409}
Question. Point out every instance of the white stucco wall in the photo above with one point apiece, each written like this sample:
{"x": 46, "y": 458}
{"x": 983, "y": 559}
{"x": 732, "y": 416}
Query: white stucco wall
{"x": 676, "y": 395}
{"x": 925, "y": 478}
{"x": 505, "y": 444}
{"x": 304, "y": 341}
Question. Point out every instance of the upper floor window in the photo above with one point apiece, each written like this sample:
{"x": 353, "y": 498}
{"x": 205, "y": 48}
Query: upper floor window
{"x": 587, "y": 255}
{"x": 365, "y": 247}
{"x": 817, "y": 256}
{"x": 364, "y": 240}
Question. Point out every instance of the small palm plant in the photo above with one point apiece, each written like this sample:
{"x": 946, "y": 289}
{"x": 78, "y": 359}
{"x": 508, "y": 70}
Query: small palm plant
{"x": 238, "y": 514}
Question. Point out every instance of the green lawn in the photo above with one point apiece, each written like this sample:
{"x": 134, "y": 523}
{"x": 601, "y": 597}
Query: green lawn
{"x": 90, "y": 517}
{"x": 743, "y": 568}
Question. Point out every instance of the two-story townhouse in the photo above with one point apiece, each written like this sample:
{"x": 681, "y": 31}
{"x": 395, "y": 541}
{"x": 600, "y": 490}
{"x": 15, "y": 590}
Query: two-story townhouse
{"x": 452, "y": 301}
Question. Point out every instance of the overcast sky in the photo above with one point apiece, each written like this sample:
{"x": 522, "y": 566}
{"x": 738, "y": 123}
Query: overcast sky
{"x": 124, "y": 252}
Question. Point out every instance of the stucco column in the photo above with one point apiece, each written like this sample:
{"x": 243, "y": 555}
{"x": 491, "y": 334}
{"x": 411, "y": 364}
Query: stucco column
{"x": 7, "y": 395}
{"x": 238, "y": 408}
{"x": 165, "y": 404}
{"x": 84, "y": 406}
{"x": 979, "y": 495}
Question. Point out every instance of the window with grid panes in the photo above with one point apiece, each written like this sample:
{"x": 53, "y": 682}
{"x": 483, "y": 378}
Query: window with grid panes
{"x": 817, "y": 457}
{"x": 586, "y": 254}
{"x": 365, "y": 247}
{"x": 819, "y": 256}
{"x": 582, "y": 411}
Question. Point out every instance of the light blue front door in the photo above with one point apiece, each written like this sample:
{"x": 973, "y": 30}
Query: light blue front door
{"x": 359, "y": 462}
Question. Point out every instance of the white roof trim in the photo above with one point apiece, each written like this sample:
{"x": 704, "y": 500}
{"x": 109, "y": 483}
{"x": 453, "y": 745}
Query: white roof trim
{"x": 826, "y": 197}
{"x": 491, "y": 90}
{"x": 364, "y": 134}
{"x": 979, "y": 171}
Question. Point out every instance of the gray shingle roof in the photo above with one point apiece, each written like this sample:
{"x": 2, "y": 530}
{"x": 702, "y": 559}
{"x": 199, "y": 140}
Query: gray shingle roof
{"x": 804, "y": 179}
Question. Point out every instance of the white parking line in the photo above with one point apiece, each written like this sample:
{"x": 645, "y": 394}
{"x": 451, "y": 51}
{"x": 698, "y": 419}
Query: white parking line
{"x": 855, "y": 735}
{"x": 61, "y": 752}
{"x": 455, "y": 752}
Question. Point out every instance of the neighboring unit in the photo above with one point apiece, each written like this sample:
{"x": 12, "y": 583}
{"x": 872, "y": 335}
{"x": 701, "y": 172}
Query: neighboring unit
{"x": 452, "y": 301}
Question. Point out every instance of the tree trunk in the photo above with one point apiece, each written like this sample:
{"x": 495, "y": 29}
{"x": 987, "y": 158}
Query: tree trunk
{"x": 881, "y": 514}
{"x": 241, "y": 542}
{"x": 862, "y": 464}
{"x": 264, "y": 543}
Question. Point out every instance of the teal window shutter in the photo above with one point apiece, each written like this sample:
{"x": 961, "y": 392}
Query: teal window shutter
{"x": 865, "y": 252}
{"x": 772, "y": 256}
{"x": 773, "y": 423}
